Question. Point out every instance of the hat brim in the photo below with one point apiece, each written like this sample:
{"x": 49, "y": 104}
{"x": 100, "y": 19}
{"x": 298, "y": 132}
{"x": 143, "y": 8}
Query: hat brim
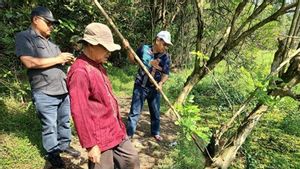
{"x": 167, "y": 42}
{"x": 109, "y": 46}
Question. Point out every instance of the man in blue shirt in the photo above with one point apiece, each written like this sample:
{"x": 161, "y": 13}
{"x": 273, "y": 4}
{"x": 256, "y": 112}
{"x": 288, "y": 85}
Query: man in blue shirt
{"x": 157, "y": 60}
{"x": 45, "y": 63}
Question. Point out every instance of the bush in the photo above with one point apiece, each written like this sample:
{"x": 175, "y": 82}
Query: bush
{"x": 291, "y": 123}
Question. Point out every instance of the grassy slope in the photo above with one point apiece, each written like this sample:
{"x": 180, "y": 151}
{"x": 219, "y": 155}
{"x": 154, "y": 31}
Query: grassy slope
{"x": 19, "y": 136}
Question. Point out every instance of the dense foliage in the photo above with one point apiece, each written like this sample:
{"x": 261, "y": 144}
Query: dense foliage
{"x": 275, "y": 143}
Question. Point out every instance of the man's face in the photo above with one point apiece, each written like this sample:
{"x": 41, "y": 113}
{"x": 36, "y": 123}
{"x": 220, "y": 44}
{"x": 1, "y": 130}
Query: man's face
{"x": 43, "y": 26}
{"x": 161, "y": 45}
{"x": 100, "y": 53}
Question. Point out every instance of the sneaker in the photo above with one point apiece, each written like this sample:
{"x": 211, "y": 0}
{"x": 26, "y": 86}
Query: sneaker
{"x": 55, "y": 160}
{"x": 158, "y": 138}
{"x": 72, "y": 152}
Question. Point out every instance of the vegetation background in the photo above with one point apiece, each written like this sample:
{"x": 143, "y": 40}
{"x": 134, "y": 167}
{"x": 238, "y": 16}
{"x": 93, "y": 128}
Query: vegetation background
{"x": 274, "y": 143}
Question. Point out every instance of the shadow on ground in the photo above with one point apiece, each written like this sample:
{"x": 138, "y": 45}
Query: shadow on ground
{"x": 23, "y": 123}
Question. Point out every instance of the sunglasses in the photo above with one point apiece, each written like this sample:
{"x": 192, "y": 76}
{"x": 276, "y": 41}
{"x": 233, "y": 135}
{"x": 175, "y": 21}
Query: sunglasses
{"x": 46, "y": 21}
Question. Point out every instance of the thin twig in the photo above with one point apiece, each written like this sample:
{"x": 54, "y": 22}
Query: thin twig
{"x": 218, "y": 84}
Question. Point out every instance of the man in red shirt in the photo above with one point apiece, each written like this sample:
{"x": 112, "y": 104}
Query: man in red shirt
{"x": 94, "y": 107}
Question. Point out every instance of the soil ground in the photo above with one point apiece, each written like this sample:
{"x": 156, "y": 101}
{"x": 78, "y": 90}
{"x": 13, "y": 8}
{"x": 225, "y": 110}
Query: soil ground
{"x": 150, "y": 151}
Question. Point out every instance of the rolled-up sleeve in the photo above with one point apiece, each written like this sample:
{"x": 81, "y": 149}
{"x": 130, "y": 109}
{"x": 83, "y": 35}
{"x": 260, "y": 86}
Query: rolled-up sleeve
{"x": 23, "y": 45}
{"x": 78, "y": 85}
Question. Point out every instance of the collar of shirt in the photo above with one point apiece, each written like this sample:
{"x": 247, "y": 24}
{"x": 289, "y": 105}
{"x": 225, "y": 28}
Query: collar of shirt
{"x": 91, "y": 62}
{"x": 36, "y": 34}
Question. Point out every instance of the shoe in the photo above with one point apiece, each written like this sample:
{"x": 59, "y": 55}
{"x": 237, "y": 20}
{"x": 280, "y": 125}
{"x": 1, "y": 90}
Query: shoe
{"x": 55, "y": 160}
{"x": 72, "y": 152}
{"x": 158, "y": 138}
{"x": 130, "y": 137}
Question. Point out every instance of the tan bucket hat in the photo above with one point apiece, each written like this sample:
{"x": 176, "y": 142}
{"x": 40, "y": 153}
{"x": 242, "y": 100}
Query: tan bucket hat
{"x": 98, "y": 33}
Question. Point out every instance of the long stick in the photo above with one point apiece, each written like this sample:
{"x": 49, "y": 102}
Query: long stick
{"x": 136, "y": 57}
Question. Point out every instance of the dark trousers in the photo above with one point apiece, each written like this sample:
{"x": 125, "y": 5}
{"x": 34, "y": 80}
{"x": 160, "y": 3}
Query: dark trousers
{"x": 139, "y": 96}
{"x": 123, "y": 156}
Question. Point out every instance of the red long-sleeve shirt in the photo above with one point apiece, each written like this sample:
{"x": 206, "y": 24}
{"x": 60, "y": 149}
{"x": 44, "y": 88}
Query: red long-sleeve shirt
{"x": 94, "y": 108}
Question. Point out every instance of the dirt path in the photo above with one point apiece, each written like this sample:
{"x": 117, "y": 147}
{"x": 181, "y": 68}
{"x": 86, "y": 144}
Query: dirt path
{"x": 150, "y": 151}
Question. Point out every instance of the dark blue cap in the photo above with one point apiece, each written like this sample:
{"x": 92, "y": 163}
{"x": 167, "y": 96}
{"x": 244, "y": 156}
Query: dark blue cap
{"x": 45, "y": 13}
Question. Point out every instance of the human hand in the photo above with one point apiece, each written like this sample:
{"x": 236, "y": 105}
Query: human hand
{"x": 159, "y": 86}
{"x": 155, "y": 64}
{"x": 94, "y": 154}
{"x": 66, "y": 57}
{"x": 72, "y": 61}
{"x": 125, "y": 44}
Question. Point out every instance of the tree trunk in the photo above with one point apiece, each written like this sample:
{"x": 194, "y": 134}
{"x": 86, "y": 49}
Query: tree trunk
{"x": 232, "y": 42}
{"x": 198, "y": 73}
{"x": 193, "y": 79}
{"x": 224, "y": 158}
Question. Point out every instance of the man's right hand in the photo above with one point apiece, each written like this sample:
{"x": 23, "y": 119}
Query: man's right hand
{"x": 94, "y": 154}
{"x": 66, "y": 57}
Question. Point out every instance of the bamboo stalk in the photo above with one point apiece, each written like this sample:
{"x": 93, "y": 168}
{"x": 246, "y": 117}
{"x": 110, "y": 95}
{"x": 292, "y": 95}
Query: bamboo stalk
{"x": 136, "y": 57}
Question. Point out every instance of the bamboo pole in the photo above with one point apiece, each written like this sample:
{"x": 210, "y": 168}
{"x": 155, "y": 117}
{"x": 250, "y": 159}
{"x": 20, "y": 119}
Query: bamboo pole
{"x": 136, "y": 57}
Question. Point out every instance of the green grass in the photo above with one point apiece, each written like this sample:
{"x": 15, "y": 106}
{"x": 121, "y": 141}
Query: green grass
{"x": 20, "y": 145}
{"x": 19, "y": 152}
{"x": 270, "y": 146}
{"x": 122, "y": 79}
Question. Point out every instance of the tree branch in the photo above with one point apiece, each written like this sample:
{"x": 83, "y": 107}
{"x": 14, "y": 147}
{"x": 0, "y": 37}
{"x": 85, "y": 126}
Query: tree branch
{"x": 238, "y": 11}
{"x": 273, "y": 17}
{"x": 254, "y": 14}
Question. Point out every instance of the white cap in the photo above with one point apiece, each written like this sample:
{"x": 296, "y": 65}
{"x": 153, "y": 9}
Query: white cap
{"x": 166, "y": 36}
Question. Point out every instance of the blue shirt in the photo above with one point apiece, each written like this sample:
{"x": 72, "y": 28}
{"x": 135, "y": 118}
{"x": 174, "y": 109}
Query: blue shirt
{"x": 146, "y": 55}
{"x": 52, "y": 80}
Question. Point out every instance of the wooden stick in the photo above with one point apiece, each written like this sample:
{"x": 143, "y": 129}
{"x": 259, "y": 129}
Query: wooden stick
{"x": 136, "y": 57}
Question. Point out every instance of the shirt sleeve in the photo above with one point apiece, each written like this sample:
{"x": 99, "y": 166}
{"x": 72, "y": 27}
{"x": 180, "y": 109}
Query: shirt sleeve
{"x": 23, "y": 45}
{"x": 166, "y": 65}
{"x": 139, "y": 51}
{"x": 78, "y": 85}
